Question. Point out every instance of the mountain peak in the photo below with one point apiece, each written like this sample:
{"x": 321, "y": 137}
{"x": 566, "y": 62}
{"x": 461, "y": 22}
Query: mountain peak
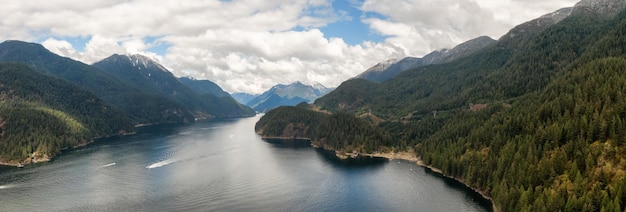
{"x": 10, "y": 46}
{"x": 137, "y": 60}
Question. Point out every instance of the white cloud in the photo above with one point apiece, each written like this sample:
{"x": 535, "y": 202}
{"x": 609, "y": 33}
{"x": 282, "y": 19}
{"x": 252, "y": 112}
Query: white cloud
{"x": 61, "y": 47}
{"x": 421, "y": 26}
{"x": 251, "y": 45}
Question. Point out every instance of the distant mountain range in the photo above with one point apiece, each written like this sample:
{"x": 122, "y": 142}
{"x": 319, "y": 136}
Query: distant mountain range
{"x": 392, "y": 67}
{"x": 283, "y": 95}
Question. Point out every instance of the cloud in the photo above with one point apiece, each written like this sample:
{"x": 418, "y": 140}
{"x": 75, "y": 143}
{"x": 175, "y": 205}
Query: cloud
{"x": 251, "y": 45}
{"x": 420, "y": 26}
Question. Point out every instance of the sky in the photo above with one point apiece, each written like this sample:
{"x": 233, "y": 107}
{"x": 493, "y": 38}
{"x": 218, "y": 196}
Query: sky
{"x": 251, "y": 45}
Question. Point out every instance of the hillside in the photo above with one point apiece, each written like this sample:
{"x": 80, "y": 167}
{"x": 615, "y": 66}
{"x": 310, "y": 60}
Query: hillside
{"x": 333, "y": 132}
{"x": 203, "y": 86}
{"x": 546, "y": 99}
{"x": 41, "y": 115}
{"x": 142, "y": 107}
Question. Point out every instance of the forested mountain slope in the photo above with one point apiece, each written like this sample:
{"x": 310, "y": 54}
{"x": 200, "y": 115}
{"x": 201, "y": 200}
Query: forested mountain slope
{"x": 537, "y": 121}
{"x": 150, "y": 77}
{"x": 142, "y": 107}
{"x": 40, "y": 115}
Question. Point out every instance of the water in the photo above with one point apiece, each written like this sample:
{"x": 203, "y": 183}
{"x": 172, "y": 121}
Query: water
{"x": 222, "y": 166}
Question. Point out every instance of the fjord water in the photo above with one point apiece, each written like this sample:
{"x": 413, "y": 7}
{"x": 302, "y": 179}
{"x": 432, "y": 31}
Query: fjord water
{"x": 223, "y": 166}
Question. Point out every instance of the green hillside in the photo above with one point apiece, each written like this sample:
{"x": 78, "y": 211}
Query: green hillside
{"x": 142, "y": 107}
{"x": 41, "y": 115}
{"x": 147, "y": 76}
{"x": 536, "y": 121}
{"x": 335, "y": 132}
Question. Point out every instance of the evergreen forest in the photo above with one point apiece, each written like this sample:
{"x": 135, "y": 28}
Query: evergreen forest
{"x": 536, "y": 122}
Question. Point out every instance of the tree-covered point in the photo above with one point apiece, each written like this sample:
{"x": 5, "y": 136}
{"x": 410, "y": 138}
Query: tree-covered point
{"x": 40, "y": 113}
{"x": 336, "y": 131}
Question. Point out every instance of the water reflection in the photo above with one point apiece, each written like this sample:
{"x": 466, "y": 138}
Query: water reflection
{"x": 289, "y": 143}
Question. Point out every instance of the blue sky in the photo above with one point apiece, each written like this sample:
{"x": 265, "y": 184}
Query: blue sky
{"x": 351, "y": 28}
{"x": 251, "y": 45}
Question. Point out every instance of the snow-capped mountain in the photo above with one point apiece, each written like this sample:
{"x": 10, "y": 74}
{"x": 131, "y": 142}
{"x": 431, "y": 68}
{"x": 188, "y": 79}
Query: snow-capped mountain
{"x": 282, "y": 95}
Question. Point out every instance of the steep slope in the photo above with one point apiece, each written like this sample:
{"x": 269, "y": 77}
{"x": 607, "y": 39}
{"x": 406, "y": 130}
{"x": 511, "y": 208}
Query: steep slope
{"x": 142, "y": 107}
{"x": 41, "y": 114}
{"x": 151, "y": 77}
{"x": 203, "y": 87}
{"x": 282, "y": 95}
{"x": 386, "y": 70}
{"x": 382, "y": 71}
{"x": 544, "y": 130}
{"x": 510, "y": 68}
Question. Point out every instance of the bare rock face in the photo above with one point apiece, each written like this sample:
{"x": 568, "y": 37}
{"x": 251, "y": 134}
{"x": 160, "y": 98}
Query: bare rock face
{"x": 607, "y": 8}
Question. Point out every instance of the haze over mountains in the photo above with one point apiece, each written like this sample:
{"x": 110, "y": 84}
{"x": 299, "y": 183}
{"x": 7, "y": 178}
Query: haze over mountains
{"x": 547, "y": 99}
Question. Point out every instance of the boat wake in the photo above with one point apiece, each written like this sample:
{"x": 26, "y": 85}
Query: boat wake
{"x": 6, "y": 186}
{"x": 110, "y": 164}
{"x": 159, "y": 164}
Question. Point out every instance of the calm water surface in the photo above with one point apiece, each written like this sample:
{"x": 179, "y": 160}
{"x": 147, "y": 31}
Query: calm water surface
{"x": 222, "y": 166}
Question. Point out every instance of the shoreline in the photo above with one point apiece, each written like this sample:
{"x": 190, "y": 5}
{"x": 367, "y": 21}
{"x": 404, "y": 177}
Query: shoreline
{"x": 410, "y": 156}
{"x": 33, "y": 159}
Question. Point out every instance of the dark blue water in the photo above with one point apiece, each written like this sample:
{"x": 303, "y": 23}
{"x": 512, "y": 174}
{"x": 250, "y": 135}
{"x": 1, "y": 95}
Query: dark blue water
{"x": 222, "y": 166}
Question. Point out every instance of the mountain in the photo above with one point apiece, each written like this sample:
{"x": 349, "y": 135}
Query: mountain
{"x": 204, "y": 87}
{"x": 243, "y": 98}
{"x": 40, "y": 115}
{"x": 391, "y": 68}
{"x": 534, "y": 121}
{"x": 141, "y": 106}
{"x": 291, "y": 94}
{"x": 150, "y": 77}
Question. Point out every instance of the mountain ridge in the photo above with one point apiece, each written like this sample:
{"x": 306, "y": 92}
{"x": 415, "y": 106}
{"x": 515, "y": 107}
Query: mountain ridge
{"x": 151, "y": 77}
{"x": 142, "y": 107}
{"x": 390, "y": 68}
